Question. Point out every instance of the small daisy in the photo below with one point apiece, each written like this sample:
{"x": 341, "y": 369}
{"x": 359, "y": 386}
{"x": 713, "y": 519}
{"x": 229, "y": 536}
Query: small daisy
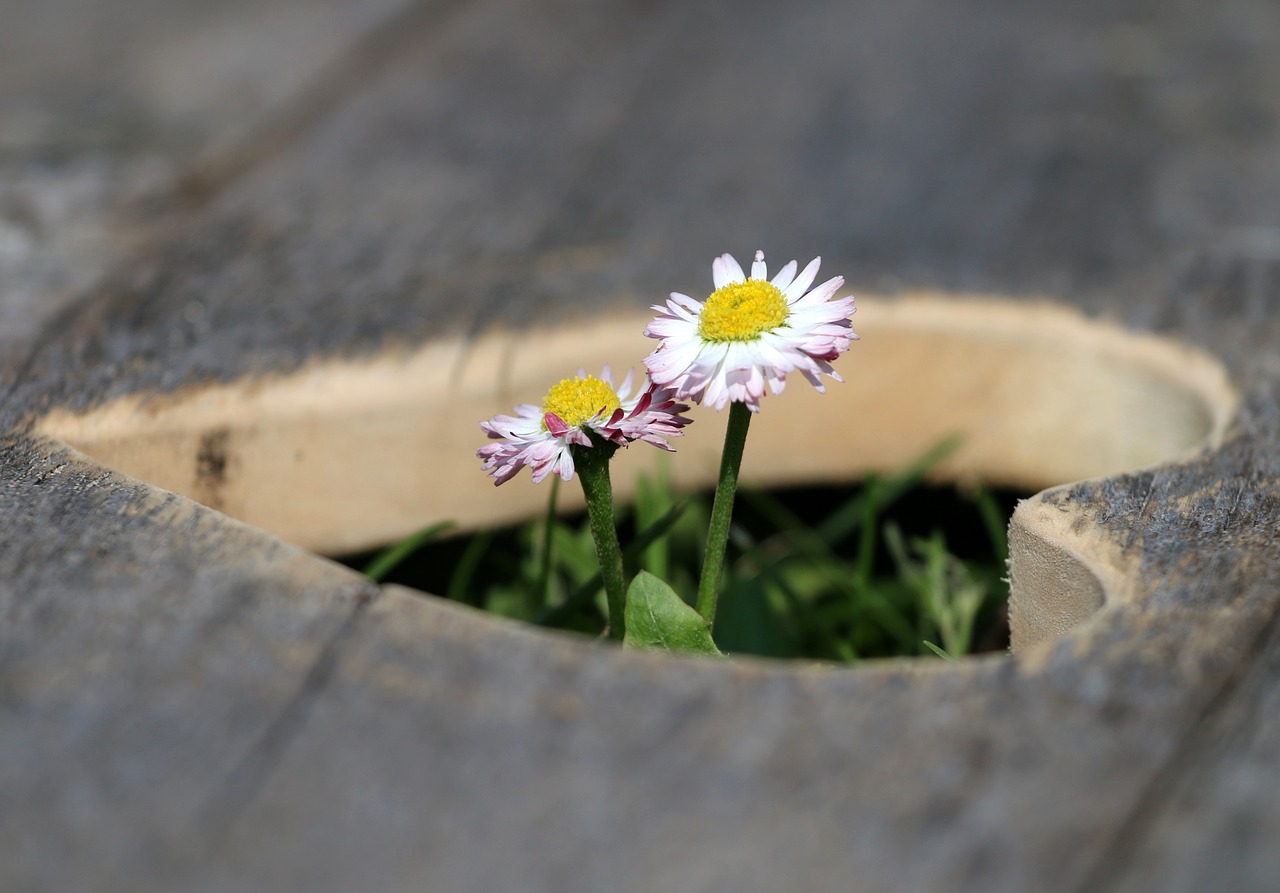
{"x": 541, "y": 436}
{"x": 748, "y": 332}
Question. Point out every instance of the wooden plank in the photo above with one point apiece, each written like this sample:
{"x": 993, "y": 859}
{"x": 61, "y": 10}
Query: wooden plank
{"x": 153, "y": 654}
{"x": 1212, "y": 821}
{"x": 105, "y": 107}
{"x": 753, "y": 776}
{"x": 518, "y": 163}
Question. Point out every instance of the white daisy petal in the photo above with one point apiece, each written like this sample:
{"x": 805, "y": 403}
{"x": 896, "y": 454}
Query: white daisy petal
{"x": 725, "y": 271}
{"x": 802, "y": 282}
{"x": 668, "y": 327}
{"x": 624, "y": 389}
{"x": 758, "y": 269}
{"x": 685, "y": 302}
{"x": 822, "y": 293}
{"x": 785, "y": 276}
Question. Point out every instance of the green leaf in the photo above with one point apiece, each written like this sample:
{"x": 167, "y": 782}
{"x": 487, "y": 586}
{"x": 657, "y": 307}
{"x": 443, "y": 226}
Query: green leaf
{"x": 658, "y": 618}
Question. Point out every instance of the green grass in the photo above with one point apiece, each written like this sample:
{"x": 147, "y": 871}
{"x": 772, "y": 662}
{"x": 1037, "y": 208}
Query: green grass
{"x": 888, "y": 568}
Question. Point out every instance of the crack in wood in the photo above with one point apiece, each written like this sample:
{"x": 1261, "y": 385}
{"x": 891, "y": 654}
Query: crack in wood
{"x": 1113, "y": 867}
{"x": 238, "y": 790}
{"x": 1136, "y": 526}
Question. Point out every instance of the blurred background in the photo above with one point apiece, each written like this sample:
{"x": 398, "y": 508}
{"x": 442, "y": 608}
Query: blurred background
{"x": 390, "y": 154}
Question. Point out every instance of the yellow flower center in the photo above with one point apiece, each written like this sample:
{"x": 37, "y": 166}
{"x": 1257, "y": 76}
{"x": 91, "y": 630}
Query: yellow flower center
{"x": 740, "y": 311}
{"x": 577, "y": 400}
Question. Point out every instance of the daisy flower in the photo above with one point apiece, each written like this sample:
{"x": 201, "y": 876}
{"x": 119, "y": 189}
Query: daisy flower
{"x": 750, "y": 331}
{"x": 573, "y": 411}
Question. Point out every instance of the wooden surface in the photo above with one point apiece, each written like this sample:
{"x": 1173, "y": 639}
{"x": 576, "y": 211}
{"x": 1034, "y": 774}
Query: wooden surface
{"x": 191, "y": 703}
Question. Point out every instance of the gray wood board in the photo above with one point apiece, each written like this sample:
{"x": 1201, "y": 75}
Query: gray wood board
{"x": 190, "y": 704}
{"x": 106, "y": 106}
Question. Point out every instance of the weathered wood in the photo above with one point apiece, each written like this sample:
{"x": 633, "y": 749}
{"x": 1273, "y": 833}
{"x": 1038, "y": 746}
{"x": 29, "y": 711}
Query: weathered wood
{"x": 105, "y": 107}
{"x": 191, "y": 704}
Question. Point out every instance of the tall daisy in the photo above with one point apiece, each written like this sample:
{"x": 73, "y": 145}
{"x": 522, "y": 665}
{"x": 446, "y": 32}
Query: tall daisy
{"x": 749, "y": 332}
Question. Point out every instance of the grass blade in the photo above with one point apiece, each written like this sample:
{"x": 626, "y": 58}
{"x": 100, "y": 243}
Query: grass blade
{"x": 938, "y": 651}
{"x": 849, "y": 517}
{"x": 387, "y": 560}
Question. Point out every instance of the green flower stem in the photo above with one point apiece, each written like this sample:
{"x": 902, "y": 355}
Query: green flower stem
{"x": 592, "y": 465}
{"x": 735, "y": 438}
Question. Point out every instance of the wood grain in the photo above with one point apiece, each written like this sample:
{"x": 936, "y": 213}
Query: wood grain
{"x": 190, "y": 703}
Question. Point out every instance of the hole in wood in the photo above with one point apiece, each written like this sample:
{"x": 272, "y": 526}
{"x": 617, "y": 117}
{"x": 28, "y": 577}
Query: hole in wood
{"x": 347, "y": 455}
{"x": 801, "y": 580}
